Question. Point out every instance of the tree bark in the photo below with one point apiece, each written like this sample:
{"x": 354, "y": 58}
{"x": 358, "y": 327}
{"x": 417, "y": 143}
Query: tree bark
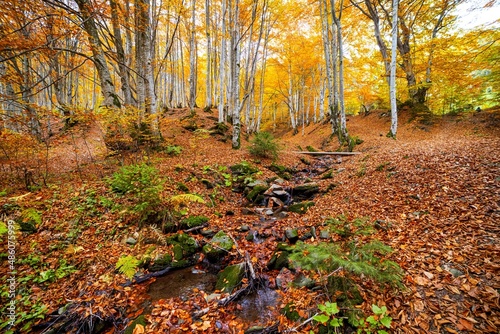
{"x": 111, "y": 99}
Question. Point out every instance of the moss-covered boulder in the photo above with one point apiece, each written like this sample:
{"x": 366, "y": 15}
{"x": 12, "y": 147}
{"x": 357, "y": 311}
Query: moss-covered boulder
{"x": 140, "y": 320}
{"x": 255, "y": 193}
{"x": 292, "y": 234}
{"x": 230, "y": 277}
{"x": 194, "y": 221}
{"x": 301, "y": 207}
{"x": 279, "y": 259}
{"x": 220, "y": 244}
{"x": 161, "y": 262}
{"x": 243, "y": 168}
{"x": 305, "y": 191}
{"x": 184, "y": 245}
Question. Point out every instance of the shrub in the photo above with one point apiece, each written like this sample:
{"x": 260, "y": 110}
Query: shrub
{"x": 142, "y": 183}
{"x": 264, "y": 145}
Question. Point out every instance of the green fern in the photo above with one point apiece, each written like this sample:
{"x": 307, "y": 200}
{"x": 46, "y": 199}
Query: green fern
{"x": 32, "y": 215}
{"x": 127, "y": 265}
{"x": 183, "y": 199}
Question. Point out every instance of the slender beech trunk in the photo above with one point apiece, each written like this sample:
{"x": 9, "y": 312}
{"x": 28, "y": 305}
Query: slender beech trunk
{"x": 392, "y": 81}
{"x": 120, "y": 54}
{"x": 222, "y": 63}
{"x": 192, "y": 58}
{"x": 111, "y": 100}
{"x": 208, "y": 80}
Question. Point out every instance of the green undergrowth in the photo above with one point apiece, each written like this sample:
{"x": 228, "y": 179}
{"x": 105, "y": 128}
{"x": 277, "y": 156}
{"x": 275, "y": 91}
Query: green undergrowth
{"x": 350, "y": 254}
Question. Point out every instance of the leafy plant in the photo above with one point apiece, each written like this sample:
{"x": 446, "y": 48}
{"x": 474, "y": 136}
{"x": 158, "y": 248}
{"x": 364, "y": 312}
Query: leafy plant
{"x": 173, "y": 150}
{"x": 31, "y": 215}
{"x": 127, "y": 265}
{"x": 354, "y": 255}
{"x": 328, "y": 317}
{"x": 264, "y": 145}
{"x": 375, "y": 323}
{"x": 142, "y": 183}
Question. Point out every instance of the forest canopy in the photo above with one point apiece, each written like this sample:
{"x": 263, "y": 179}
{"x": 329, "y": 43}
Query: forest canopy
{"x": 259, "y": 62}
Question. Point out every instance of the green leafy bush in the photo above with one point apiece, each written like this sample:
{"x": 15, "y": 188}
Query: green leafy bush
{"x": 264, "y": 145}
{"x": 142, "y": 183}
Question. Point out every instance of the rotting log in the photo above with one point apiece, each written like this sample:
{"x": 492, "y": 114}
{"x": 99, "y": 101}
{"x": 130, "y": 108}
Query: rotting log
{"x": 326, "y": 153}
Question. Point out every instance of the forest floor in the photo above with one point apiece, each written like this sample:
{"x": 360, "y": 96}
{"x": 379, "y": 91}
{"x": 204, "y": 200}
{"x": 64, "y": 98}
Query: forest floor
{"x": 436, "y": 190}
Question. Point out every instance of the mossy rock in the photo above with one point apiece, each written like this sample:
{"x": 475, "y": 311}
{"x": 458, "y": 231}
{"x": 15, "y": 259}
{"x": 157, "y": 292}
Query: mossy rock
{"x": 219, "y": 129}
{"x": 243, "y": 168}
{"x": 327, "y": 175}
{"x": 303, "y": 281}
{"x": 182, "y": 187}
{"x": 220, "y": 244}
{"x": 161, "y": 263}
{"x": 187, "y": 244}
{"x": 140, "y": 320}
{"x": 300, "y": 207}
{"x": 282, "y": 171}
{"x": 207, "y": 183}
{"x": 290, "y": 311}
{"x": 279, "y": 259}
{"x": 292, "y": 234}
{"x": 255, "y": 192}
{"x": 194, "y": 221}
{"x": 230, "y": 277}
{"x": 305, "y": 191}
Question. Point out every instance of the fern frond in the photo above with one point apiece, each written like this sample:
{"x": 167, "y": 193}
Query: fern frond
{"x": 158, "y": 234}
{"x": 127, "y": 265}
{"x": 183, "y": 199}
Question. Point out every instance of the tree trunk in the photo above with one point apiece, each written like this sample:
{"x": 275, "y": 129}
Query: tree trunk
{"x": 111, "y": 100}
{"x": 392, "y": 81}
{"x": 120, "y": 54}
{"x": 192, "y": 58}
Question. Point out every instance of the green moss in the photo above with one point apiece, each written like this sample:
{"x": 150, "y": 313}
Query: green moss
{"x": 194, "y": 221}
{"x": 255, "y": 192}
{"x": 230, "y": 277}
{"x": 300, "y": 207}
{"x": 220, "y": 244}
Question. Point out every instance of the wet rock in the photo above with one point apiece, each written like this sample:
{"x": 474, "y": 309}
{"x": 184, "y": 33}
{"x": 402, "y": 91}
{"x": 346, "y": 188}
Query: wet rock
{"x": 230, "y": 277}
{"x": 140, "y": 320}
{"x": 292, "y": 235}
{"x": 244, "y": 228}
{"x": 208, "y": 233}
{"x": 303, "y": 281}
{"x": 161, "y": 262}
{"x": 300, "y": 207}
{"x": 324, "y": 234}
{"x": 284, "y": 278}
{"x": 220, "y": 244}
{"x": 131, "y": 241}
{"x": 280, "y": 258}
{"x": 305, "y": 191}
{"x": 188, "y": 244}
{"x": 247, "y": 211}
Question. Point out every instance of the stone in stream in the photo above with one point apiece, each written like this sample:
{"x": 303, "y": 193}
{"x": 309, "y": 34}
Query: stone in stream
{"x": 305, "y": 191}
{"x": 292, "y": 235}
{"x": 230, "y": 277}
{"x": 301, "y": 207}
{"x": 220, "y": 244}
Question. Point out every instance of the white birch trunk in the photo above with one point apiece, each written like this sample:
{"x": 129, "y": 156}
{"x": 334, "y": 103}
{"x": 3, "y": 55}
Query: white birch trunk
{"x": 392, "y": 80}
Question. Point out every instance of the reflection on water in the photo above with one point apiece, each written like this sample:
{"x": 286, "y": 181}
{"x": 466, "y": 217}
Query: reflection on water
{"x": 258, "y": 307}
{"x": 180, "y": 283}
